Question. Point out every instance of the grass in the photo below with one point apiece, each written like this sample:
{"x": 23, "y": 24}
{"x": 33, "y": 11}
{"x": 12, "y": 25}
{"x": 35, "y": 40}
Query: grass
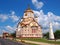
{"x": 41, "y": 40}
{"x": 31, "y": 44}
{"x": 25, "y": 42}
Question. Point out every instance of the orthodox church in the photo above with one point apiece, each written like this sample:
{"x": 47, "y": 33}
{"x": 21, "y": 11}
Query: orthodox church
{"x": 28, "y": 26}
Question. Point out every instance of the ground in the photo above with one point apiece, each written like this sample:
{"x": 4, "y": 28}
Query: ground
{"x": 40, "y": 41}
{"x": 10, "y": 42}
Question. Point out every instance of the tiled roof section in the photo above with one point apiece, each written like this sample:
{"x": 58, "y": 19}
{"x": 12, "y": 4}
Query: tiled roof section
{"x": 27, "y": 21}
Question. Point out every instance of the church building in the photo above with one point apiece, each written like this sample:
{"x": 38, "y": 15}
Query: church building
{"x": 28, "y": 26}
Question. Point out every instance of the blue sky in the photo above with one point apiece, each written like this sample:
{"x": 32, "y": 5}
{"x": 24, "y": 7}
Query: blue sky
{"x": 11, "y": 11}
{"x": 20, "y": 5}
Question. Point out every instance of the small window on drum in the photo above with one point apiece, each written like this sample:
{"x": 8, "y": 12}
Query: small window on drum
{"x": 25, "y": 14}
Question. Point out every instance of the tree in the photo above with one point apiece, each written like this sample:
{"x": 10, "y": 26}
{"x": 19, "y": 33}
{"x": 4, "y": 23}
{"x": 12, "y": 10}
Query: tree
{"x": 13, "y": 34}
{"x": 46, "y": 35}
{"x": 57, "y": 34}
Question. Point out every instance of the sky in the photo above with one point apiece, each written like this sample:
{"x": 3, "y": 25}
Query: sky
{"x": 11, "y": 12}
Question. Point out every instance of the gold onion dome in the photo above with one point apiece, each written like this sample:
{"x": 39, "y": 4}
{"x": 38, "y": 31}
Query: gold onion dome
{"x": 28, "y": 9}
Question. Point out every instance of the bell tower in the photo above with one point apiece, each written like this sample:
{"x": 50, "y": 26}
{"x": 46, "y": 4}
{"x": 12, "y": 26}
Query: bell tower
{"x": 28, "y": 13}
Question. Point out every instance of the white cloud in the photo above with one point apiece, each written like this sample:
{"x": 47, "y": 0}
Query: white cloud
{"x": 56, "y": 25}
{"x": 37, "y": 4}
{"x": 8, "y": 17}
{"x": 10, "y": 28}
{"x": 44, "y": 19}
{"x": 3, "y": 17}
{"x": 12, "y": 12}
{"x": 45, "y": 31}
{"x": 14, "y": 17}
{"x": 4, "y": 31}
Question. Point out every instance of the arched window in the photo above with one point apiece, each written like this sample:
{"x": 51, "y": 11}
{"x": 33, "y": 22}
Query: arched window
{"x": 34, "y": 29}
{"x": 25, "y": 14}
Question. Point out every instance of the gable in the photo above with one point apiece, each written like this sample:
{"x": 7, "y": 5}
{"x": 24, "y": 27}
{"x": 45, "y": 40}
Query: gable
{"x": 33, "y": 23}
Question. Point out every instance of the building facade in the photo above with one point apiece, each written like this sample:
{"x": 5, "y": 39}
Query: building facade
{"x": 28, "y": 26}
{"x": 5, "y": 35}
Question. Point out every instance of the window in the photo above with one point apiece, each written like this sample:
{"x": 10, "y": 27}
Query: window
{"x": 36, "y": 34}
{"x": 34, "y": 27}
{"x": 25, "y": 34}
{"x": 25, "y": 14}
{"x": 21, "y": 27}
{"x": 33, "y": 31}
{"x": 32, "y": 34}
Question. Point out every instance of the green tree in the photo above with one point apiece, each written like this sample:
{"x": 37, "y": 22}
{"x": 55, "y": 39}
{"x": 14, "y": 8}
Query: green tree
{"x": 13, "y": 34}
{"x": 57, "y": 34}
{"x": 46, "y": 35}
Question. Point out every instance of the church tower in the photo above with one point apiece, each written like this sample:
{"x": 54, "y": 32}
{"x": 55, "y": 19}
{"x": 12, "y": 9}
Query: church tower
{"x": 28, "y": 13}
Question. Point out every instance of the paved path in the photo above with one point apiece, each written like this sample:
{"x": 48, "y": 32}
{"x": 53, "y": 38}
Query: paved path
{"x": 39, "y": 43}
{"x": 9, "y": 42}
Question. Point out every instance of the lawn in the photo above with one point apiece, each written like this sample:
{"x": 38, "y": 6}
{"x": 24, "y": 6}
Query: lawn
{"x": 15, "y": 39}
{"x": 41, "y": 40}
